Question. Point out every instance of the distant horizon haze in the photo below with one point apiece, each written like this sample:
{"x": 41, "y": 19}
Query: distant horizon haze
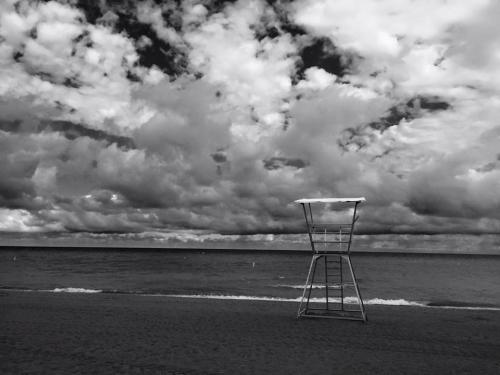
{"x": 466, "y": 244}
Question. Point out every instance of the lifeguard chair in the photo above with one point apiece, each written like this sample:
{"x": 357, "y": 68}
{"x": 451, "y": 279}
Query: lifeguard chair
{"x": 333, "y": 293}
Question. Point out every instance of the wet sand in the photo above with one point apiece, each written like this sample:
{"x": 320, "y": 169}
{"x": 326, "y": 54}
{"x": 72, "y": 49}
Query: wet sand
{"x": 49, "y": 333}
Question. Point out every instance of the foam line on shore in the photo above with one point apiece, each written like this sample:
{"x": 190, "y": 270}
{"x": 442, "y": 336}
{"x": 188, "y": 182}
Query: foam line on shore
{"x": 75, "y": 290}
{"x": 347, "y": 300}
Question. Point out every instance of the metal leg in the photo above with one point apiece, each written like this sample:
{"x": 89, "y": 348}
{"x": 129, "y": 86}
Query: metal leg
{"x": 341, "y": 284}
{"x": 313, "y": 260}
{"x": 358, "y": 293}
{"x": 326, "y": 280}
{"x": 329, "y": 310}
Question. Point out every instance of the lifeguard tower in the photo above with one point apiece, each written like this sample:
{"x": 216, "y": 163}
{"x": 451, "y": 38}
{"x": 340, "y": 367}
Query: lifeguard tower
{"x": 331, "y": 289}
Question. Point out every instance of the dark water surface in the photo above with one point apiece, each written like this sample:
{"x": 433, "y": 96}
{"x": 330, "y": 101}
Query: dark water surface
{"x": 450, "y": 280}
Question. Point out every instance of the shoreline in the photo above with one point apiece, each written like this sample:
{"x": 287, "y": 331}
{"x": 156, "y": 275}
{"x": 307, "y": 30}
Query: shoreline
{"x": 118, "y": 333}
{"x": 305, "y": 252}
{"x": 454, "y": 305}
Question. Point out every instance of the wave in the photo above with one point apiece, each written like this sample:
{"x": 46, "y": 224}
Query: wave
{"x": 347, "y": 300}
{"x": 74, "y": 290}
{"x": 462, "y": 305}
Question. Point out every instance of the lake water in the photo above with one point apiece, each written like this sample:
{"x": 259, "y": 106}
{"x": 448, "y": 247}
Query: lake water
{"x": 385, "y": 278}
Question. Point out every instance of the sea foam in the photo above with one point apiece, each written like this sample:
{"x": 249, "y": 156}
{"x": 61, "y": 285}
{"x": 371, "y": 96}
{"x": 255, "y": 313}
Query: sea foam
{"x": 75, "y": 290}
{"x": 347, "y": 300}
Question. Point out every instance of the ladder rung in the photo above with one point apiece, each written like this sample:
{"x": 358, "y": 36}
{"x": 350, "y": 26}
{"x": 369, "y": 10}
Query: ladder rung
{"x": 330, "y": 252}
{"x": 322, "y": 225}
{"x": 331, "y": 234}
{"x": 337, "y": 285}
{"x": 336, "y": 232}
{"x": 315, "y": 241}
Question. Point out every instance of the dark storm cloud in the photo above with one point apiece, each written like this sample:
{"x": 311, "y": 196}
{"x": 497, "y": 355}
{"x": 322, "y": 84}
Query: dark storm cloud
{"x": 90, "y": 221}
{"x": 73, "y": 81}
{"x": 441, "y": 200}
{"x": 219, "y": 157}
{"x": 430, "y": 103}
{"x": 361, "y": 136}
{"x": 413, "y": 108}
{"x": 72, "y": 131}
{"x": 101, "y": 211}
{"x": 216, "y": 6}
{"x": 16, "y": 192}
{"x": 488, "y": 167}
{"x": 10, "y": 126}
{"x": 281, "y": 162}
{"x": 450, "y": 190}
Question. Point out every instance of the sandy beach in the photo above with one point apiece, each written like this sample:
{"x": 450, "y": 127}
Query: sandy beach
{"x": 54, "y": 333}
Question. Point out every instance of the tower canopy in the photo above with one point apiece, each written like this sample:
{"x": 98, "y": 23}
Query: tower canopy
{"x": 329, "y": 200}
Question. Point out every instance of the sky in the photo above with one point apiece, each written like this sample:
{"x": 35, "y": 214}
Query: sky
{"x": 204, "y": 120}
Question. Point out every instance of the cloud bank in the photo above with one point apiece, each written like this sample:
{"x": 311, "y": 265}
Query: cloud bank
{"x": 210, "y": 117}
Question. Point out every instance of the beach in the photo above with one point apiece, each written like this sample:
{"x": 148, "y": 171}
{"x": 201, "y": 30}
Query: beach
{"x": 70, "y": 333}
{"x": 202, "y": 187}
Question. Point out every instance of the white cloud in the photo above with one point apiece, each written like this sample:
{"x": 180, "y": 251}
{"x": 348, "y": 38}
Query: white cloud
{"x": 402, "y": 41}
{"x": 148, "y": 12}
{"x": 66, "y": 61}
{"x": 19, "y": 220}
{"x": 253, "y": 75}
{"x": 316, "y": 78}
{"x": 383, "y": 28}
{"x": 228, "y": 151}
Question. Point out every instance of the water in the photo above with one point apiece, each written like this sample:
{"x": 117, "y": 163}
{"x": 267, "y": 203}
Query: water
{"x": 384, "y": 278}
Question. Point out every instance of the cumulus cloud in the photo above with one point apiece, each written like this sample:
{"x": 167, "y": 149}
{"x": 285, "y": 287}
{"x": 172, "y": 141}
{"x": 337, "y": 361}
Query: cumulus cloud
{"x": 51, "y": 54}
{"x": 205, "y": 118}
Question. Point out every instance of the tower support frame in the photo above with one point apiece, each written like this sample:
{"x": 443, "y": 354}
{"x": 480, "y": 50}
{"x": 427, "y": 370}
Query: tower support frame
{"x": 331, "y": 243}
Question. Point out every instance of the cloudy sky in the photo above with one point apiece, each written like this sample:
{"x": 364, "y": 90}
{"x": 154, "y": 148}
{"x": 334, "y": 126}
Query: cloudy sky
{"x": 199, "y": 119}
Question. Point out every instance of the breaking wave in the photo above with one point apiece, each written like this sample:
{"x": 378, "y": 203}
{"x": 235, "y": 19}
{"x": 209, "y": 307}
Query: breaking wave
{"x": 347, "y": 300}
{"x": 75, "y": 290}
